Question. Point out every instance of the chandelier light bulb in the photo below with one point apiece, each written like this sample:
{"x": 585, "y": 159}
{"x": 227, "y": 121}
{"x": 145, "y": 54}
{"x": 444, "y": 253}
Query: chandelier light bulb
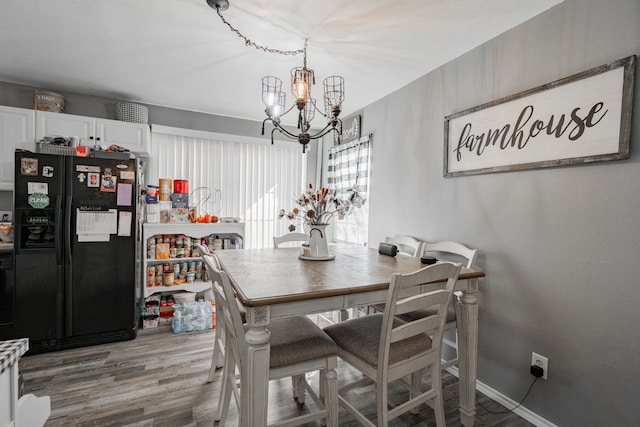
{"x": 301, "y": 80}
{"x": 300, "y": 90}
{"x": 278, "y": 105}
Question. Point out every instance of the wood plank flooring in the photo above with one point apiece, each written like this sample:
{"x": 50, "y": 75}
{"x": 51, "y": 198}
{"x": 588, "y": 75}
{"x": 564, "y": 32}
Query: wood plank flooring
{"x": 160, "y": 379}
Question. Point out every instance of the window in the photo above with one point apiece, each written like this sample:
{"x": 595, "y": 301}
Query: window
{"x": 232, "y": 176}
{"x": 348, "y": 174}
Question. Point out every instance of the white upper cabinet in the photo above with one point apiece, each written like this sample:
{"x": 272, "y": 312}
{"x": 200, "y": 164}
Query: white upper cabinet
{"x": 17, "y": 127}
{"x": 95, "y": 132}
{"x": 58, "y": 124}
{"x": 133, "y": 136}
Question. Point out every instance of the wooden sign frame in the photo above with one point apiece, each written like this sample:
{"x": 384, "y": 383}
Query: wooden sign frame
{"x": 351, "y": 130}
{"x": 580, "y": 119}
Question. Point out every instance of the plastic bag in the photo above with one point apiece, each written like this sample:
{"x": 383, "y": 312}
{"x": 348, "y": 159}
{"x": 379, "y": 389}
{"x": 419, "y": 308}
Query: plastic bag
{"x": 192, "y": 316}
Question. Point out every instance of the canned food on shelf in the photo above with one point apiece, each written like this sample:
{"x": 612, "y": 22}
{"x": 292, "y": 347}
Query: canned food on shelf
{"x": 167, "y": 278}
{"x": 181, "y": 186}
{"x": 165, "y": 189}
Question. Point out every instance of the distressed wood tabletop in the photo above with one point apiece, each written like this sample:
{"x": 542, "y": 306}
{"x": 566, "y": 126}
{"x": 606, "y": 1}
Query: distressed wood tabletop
{"x": 274, "y": 276}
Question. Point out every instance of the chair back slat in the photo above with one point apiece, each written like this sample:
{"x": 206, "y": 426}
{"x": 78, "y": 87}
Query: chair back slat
{"x": 417, "y": 302}
{"x": 204, "y": 250}
{"x": 290, "y": 237}
{"x": 455, "y": 248}
{"x": 424, "y": 325}
{"x": 407, "y": 245}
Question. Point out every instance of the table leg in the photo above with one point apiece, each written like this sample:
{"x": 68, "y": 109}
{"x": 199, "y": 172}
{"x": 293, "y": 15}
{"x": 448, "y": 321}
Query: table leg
{"x": 467, "y": 315}
{"x": 255, "y": 376}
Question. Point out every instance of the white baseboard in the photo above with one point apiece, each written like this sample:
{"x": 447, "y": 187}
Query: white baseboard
{"x": 505, "y": 401}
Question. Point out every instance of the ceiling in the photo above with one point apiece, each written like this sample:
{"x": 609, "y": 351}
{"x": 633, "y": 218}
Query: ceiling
{"x": 178, "y": 53}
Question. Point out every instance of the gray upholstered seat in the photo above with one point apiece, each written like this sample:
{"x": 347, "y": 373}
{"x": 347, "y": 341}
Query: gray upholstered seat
{"x": 361, "y": 336}
{"x": 424, "y": 312}
{"x": 297, "y": 339}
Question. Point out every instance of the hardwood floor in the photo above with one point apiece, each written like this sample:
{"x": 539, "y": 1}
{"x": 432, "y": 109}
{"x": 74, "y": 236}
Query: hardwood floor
{"x": 159, "y": 379}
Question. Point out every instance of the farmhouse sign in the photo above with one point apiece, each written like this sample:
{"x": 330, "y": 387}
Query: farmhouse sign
{"x": 579, "y": 119}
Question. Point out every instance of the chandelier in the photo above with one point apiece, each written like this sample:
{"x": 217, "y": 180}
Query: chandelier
{"x": 302, "y": 80}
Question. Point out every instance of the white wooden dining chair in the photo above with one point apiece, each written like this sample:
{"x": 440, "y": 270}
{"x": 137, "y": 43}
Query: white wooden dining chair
{"x": 455, "y": 252}
{"x": 407, "y": 245}
{"x": 386, "y": 349}
{"x": 217, "y": 358}
{"x": 452, "y": 251}
{"x": 297, "y": 346}
{"x": 290, "y": 237}
{"x": 220, "y": 350}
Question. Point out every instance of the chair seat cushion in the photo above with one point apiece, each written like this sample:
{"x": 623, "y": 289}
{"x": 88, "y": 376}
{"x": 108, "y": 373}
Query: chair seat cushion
{"x": 418, "y": 314}
{"x": 361, "y": 337}
{"x": 298, "y": 339}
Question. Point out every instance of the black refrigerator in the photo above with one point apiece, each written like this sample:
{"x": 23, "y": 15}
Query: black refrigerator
{"x": 75, "y": 250}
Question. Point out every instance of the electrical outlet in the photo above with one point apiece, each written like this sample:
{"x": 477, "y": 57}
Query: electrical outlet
{"x": 541, "y": 361}
{"x": 5, "y": 216}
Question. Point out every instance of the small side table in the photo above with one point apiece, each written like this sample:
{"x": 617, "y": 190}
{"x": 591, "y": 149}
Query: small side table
{"x": 16, "y": 411}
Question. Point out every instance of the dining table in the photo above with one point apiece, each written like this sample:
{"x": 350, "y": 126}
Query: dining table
{"x": 279, "y": 282}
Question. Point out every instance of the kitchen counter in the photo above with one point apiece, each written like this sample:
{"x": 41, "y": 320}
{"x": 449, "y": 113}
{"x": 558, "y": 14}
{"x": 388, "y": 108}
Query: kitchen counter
{"x": 10, "y": 352}
{"x": 27, "y": 410}
{"x": 6, "y": 248}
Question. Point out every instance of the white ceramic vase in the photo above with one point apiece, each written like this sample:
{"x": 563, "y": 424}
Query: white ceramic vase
{"x": 318, "y": 246}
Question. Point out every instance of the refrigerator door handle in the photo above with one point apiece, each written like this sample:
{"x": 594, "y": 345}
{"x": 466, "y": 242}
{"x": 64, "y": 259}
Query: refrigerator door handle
{"x": 59, "y": 235}
{"x": 67, "y": 240}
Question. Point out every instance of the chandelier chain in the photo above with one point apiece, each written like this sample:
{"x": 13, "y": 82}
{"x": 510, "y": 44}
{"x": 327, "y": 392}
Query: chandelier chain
{"x": 249, "y": 42}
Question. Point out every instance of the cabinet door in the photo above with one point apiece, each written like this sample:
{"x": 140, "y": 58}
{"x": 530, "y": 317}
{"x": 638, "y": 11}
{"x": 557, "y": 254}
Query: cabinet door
{"x": 60, "y": 124}
{"x": 132, "y": 136}
{"x": 17, "y": 127}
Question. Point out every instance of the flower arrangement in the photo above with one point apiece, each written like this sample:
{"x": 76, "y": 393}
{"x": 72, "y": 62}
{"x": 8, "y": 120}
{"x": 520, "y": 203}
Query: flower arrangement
{"x": 316, "y": 207}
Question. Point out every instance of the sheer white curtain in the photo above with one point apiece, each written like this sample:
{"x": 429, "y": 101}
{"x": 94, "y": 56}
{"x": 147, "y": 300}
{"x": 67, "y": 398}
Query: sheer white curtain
{"x": 348, "y": 174}
{"x": 255, "y": 179}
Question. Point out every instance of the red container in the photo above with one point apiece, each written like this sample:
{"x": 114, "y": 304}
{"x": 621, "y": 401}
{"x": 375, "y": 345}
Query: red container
{"x": 181, "y": 186}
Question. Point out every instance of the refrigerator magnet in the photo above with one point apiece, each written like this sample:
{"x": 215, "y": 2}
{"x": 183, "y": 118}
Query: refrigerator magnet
{"x": 108, "y": 184}
{"x": 38, "y": 200}
{"x": 127, "y": 175}
{"x": 94, "y": 180}
{"x": 82, "y": 177}
{"x": 37, "y": 187}
{"x": 47, "y": 171}
{"x": 86, "y": 168}
{"x": 28, "y": 166}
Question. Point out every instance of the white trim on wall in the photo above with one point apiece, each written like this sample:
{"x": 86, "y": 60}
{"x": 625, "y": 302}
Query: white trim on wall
{"x": 192, "y": 133}
{"x": 505, "y": 401}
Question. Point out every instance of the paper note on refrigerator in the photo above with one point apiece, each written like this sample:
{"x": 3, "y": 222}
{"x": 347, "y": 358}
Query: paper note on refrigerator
{"x": 124, "y": 194}
{"x": 97, "y": 222}
{"x": 124, "y": 224}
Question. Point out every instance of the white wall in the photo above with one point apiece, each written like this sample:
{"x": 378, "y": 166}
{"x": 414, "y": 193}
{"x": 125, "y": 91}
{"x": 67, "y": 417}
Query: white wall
{"x": 560, "y": 246}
